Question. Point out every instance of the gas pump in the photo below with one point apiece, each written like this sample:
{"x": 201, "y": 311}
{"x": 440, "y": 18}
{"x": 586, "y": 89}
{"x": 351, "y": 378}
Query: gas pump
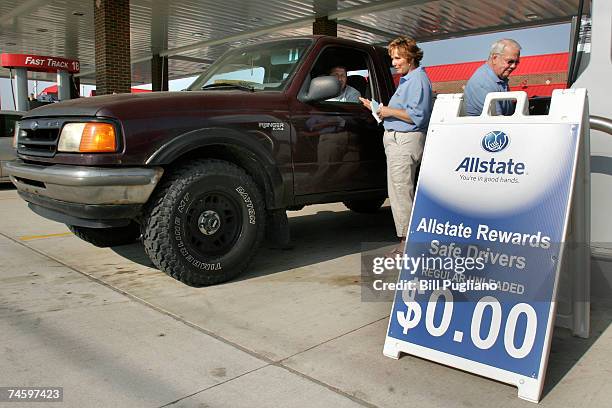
{"x": 22, "y": 63}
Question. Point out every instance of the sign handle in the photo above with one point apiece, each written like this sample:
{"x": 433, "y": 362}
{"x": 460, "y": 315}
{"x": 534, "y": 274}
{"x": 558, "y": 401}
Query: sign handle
{"x": 522, "y": 104}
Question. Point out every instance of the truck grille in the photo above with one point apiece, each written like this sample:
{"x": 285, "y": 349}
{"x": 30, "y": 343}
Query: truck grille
{"x": 39, "y": 142}
{"x": 39, "y": 137}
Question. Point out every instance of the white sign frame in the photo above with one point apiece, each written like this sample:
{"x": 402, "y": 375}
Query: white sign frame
{"x": 567, "y": 107}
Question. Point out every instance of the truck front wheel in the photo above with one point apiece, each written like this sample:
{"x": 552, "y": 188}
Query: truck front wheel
{"x": 204, "y": 223}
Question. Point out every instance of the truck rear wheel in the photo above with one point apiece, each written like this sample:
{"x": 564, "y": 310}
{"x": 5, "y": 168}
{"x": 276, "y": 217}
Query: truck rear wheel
{"x": 108, "y": 237}
{"x": 365, "y": 206}
{"x": 204, "y": 223}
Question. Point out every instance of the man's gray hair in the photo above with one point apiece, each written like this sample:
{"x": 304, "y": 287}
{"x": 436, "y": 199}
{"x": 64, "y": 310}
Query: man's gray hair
{"x": 499, "y": 46}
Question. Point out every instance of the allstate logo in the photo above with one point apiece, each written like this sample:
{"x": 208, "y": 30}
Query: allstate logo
{"x": 495, "y": 141}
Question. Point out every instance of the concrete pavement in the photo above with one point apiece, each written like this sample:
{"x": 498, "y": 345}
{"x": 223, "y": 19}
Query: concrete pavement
{"x": 293, "y": 331}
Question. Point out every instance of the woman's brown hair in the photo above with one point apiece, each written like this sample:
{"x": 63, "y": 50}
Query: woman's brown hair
{"x": 407, "y": 48}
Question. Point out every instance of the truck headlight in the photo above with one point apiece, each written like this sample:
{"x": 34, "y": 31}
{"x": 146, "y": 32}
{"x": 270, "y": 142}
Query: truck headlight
{"x": 91, "y": 137}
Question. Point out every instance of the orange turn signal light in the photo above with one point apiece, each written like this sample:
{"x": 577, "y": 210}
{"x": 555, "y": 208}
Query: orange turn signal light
{"x": 98, "y": 138}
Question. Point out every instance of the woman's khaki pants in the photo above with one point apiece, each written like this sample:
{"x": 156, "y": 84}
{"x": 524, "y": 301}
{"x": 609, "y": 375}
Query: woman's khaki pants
{"x": 404, "y": 151}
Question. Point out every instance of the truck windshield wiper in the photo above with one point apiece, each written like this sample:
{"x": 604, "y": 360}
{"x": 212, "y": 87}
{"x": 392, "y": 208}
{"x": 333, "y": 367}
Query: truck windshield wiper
{"x": 231, "y": 85}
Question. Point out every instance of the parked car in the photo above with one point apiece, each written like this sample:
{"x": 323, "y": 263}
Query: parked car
{"x": 204, "y": 173}
{"x": 8, "y": 119}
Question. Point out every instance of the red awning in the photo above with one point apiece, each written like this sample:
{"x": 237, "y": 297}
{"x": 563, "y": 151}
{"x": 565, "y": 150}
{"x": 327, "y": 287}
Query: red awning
{"x": 538, "y": 90}
{"x": 49, "y": 90}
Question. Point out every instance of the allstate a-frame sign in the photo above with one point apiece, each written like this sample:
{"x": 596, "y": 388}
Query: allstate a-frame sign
{"x": 489, "y": 223}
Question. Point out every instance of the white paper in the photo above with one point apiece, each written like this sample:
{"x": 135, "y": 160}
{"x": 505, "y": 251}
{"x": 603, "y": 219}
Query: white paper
{"x": 375, "y": 105}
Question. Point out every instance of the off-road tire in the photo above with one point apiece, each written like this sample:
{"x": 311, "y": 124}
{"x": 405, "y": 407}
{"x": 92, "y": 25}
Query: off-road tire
{"x": 204, "y": 223}
{"x": 364, "y": 206}
{"x": 108, "y": 237}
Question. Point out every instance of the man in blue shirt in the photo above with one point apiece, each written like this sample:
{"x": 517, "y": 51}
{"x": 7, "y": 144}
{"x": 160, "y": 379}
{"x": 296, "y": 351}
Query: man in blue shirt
{"x": 493, "y": 77}
{"x": 347, "y": 92}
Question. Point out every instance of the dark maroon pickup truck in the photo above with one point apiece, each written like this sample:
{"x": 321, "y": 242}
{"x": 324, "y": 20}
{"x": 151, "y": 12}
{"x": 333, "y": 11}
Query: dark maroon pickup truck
{"x": 204, "y": 174}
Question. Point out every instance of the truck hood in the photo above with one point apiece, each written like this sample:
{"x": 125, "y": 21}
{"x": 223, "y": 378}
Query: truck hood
{"x": 153, "y": 104}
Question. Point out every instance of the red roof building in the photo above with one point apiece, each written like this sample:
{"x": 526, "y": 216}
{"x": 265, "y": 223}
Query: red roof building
{"x": 52, "y": 90}
{"x": 538, "y": 75}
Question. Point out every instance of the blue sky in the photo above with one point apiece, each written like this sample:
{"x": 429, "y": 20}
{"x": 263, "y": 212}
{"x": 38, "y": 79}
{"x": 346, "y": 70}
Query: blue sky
{"x": 534, "y": 41}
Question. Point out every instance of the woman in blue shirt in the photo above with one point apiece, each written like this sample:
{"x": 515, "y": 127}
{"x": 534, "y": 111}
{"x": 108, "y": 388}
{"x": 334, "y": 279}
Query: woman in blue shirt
{"x": 405, "y": 120}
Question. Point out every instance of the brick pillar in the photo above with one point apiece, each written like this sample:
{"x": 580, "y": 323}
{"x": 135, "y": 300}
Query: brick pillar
{"x": 112, "y": 37}
{"x": 325, "y": 26}
{"x": 159, "y": 73}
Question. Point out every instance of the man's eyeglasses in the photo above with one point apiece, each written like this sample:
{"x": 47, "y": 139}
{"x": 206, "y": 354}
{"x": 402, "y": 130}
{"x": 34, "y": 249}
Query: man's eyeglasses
{"x": 510, "y": 61}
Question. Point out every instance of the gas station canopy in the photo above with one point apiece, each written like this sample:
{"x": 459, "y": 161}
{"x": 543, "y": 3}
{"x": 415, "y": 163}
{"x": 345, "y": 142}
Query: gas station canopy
{"x": 193, "y": 33}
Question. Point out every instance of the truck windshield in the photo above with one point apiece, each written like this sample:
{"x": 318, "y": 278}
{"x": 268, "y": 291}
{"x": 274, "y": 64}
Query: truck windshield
{"x": 265, "y": 66}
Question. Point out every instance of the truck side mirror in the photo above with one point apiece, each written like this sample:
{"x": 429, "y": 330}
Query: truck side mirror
{"x": 321, "y": 88}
